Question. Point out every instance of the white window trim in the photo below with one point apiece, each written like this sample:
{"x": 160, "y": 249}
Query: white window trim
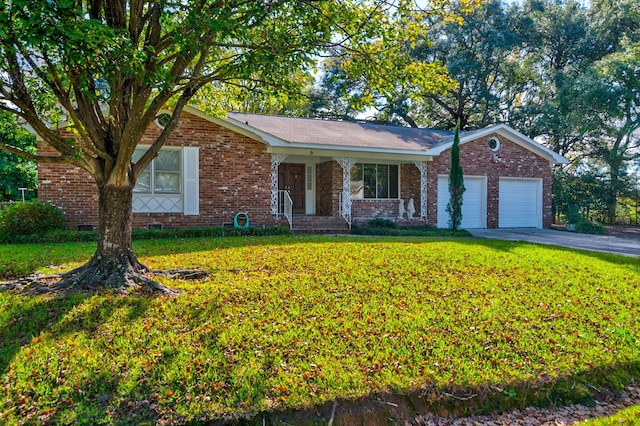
{"x": 363, "y": 198}
{"x": 152, "y": 180}
{"x": 186, "y": 200}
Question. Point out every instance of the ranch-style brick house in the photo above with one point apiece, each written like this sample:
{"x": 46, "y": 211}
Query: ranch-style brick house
{"x": 318, "y": 175}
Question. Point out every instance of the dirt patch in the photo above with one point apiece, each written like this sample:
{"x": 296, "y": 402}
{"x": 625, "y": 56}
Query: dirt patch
{"x": 569, "y": 415}
{"x": 425, "y": 408}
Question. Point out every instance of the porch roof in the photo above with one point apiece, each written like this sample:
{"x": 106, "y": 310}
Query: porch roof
{"x": 344, "y": 134}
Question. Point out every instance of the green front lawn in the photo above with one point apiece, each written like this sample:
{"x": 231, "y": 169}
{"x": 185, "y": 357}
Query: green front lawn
{"x": 288, "y": 322}
{"x": 626, "y": 417}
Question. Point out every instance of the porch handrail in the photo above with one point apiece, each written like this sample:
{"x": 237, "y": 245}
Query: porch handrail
{"x": 343, "y": 214}
{"x": 285, "y": 206}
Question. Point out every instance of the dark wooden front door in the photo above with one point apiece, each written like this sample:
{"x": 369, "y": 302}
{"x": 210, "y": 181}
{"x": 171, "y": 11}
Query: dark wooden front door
{"x": 291, "y": 179}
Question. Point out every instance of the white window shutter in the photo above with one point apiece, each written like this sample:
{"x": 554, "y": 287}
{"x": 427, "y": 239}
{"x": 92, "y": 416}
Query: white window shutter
{"x": 190, "y": 169}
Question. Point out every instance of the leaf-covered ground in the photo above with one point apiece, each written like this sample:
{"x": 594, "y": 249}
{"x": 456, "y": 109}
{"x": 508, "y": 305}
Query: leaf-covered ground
{"x": 288, "y": 322}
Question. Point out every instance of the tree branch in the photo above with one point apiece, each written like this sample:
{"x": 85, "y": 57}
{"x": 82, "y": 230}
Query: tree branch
{"x": 34, "y": 157}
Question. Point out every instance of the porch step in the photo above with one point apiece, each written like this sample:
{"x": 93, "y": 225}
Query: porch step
{"x": 319, "y": 225}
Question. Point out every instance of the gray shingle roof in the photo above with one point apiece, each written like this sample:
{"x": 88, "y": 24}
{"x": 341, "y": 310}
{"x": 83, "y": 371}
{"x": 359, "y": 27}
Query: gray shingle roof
{"x": 345, "y": 133}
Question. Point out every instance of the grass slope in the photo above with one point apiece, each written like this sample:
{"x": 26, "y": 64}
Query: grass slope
{"x": 288, "y": 322}
{"x": 629, "y": 416}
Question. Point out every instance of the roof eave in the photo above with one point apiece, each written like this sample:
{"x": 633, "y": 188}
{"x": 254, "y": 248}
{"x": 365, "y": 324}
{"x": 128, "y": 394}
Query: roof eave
{"x": 280, "y": 145}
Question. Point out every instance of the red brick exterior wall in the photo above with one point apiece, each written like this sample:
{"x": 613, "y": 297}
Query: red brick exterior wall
{"x": 328, "y": 188}
{"x": 234, "y": 177}
{"x": 477, "y": 159}
{"x": 364, "y": 210}
{"x": 70, "y": 188}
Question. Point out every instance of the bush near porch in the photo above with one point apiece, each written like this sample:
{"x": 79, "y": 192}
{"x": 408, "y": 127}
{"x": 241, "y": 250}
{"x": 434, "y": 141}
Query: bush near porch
{"x": 288, "y": 322}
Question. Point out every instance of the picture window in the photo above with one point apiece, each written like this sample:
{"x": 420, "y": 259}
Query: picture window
{"x": 375, "y": 181}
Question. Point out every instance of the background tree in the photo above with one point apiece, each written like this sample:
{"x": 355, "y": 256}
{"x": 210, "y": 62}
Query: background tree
{"x": 613, "y": 90}
{"x": 15, "y": 171}
{"x": 107, "y": 68}
{"x": 579, "y": 192}
{"x": 388, "y": 87}
{"x": 477, "y": 51}
{"x": 558, "y": 46}
{"x": 456, "y": 183}
{"x": 473, "y": 45}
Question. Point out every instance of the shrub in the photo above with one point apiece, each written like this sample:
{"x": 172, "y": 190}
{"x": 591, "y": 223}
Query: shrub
{"x": 587, "y": 227}
{"x": 141, "y": 234}
{"x": 29, "y": 218}
{"x": 407, "y": 231}
{"x": 382, "y": 223}
{"x": 574, "y": 215}
{"x": 59, "y": 236}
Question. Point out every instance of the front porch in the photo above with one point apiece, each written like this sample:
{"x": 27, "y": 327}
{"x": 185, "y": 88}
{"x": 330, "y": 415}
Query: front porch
{"x": 320, "y": 194}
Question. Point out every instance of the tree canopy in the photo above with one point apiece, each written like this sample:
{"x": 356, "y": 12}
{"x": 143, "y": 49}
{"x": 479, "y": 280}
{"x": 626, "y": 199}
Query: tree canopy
{"x": 104, "y": 69}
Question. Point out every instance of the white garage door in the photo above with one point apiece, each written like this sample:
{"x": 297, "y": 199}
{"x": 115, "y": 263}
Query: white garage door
{"x": 520, "y": 203}
{"x": 474, "y": 202}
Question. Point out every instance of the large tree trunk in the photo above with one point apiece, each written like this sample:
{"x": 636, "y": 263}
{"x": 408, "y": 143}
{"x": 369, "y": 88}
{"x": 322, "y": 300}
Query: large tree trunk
{"x": 114, "y": 265}
{"x": 115, "y": 223}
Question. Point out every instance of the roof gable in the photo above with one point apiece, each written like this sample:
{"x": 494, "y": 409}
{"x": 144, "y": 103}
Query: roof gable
{"x": 508, "y": 133}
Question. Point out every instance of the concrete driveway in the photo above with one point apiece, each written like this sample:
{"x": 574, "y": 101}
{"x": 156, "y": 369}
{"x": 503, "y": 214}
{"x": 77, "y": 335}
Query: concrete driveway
{"x": 602, "y": 243}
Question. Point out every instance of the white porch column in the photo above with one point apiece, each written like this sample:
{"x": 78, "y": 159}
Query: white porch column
{"x": 276, "y": 159}
{"x": 346, "y": 163}
{"x": 422, "y": 166}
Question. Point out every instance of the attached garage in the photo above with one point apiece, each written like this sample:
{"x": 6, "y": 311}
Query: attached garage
{"x": 474, "y": 202}
{"x": 520, "y": 203}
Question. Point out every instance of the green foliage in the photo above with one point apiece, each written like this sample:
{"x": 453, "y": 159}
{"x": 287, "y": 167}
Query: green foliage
{"x": 29, "y": 218}
{"x": 587, "y": 97}
{"x": 382, "y": 223}
{"x": 628, "y": 211}
{"x": 288, "y": 322}
{"x": 61, "y": 236}
{"x": 484, "y": 87}
{"x": 574, "y": 215}
{"x": 292, "y": 101}
{"x": 383, "y": 69}
{"x": 626, "y": 417}
{"x": 15, "y": 171}
{"x": 405, "y": 231}
{"x": 587, "y": 227}
{"x": 579, "y": 193}
{"x": 456, "y": 183}
{"x": 614, "y": 87}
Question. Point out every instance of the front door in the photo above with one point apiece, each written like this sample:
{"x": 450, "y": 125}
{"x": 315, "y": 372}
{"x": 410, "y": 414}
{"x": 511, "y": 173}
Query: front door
{"x": 291, "y": 179}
